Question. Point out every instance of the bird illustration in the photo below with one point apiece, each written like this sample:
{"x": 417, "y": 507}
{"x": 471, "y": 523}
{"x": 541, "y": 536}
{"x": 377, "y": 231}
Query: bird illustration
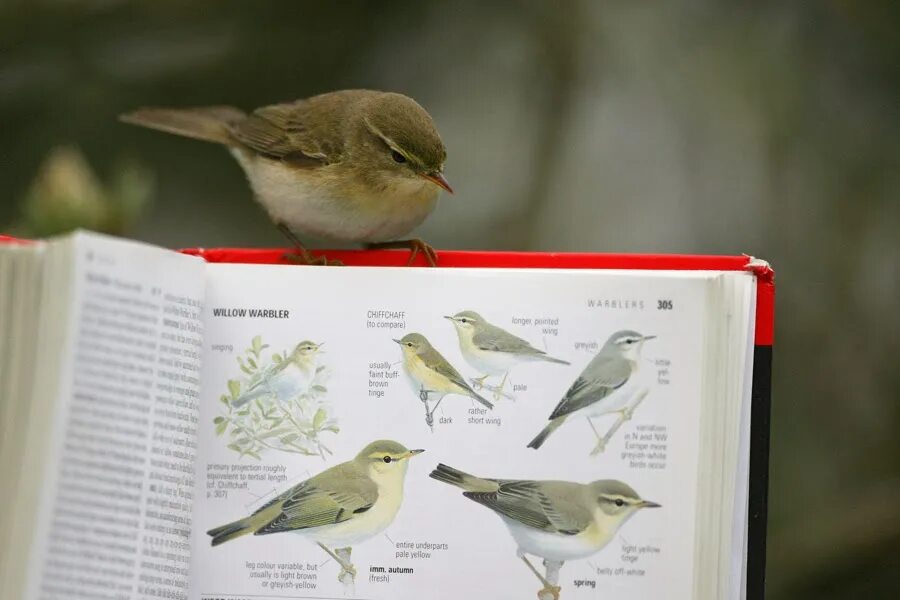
{"x": 556, "y": 520}
{"x": 341, "y": 506}
{"x": 288, "y": 379}
{"x": 599, "y": 390}
{"x": 429, "y": 373}
{"x": 353, "y": 165}
{"x": 492, "y": 350}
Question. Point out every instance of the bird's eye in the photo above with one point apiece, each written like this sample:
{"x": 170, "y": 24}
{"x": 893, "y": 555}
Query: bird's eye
{"x": 387, "y": 459}
{"x": 399, "y": 158}
{"x": 463, "y": 320}
{"x": 619, "y": 502}
{"x": 409, "y": 344}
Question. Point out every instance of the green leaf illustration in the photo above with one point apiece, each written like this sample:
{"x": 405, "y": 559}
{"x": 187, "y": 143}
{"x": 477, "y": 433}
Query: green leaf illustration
{"x": 257, "y": 344}
{"x": 319, "y": 418}
{"x": 220, "y": 427}
{"x": 276, "y": 358}
{"x": 234, "y": 386}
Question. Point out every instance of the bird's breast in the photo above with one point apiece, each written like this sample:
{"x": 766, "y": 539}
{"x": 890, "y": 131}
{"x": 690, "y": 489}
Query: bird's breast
{"x": 329, "y": 202}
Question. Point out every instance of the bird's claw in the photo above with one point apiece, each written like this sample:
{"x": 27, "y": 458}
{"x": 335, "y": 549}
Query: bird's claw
{"x": 301, "y": 256}
{"x": 627, "y": 413}
{"x": 416, "y": 246}
{"x": 347, "y": 569}
{"x": 600, "y": 447}
{"x": 552, "y": 590}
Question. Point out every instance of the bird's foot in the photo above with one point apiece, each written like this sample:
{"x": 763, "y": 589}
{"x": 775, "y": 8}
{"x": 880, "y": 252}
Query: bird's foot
{"x": 347, "y": 569}
{"x": 498, "y": 391}
{"x": 415, "y": 246}
{"x": 600, "y": 447}
{"x": 478, "y": 382}
{"x": 549, "y": 592}
{"x": 627, "y": 413}
{"x": 302, "y": 256}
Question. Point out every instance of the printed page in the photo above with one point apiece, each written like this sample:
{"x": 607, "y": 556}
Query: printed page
{"x": 408, "y": 433}
{"x": 115, "y": 506}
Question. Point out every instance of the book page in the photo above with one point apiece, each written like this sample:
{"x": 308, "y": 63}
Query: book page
{"x": 114, "y": 509}
{"x": 320, "y": 386}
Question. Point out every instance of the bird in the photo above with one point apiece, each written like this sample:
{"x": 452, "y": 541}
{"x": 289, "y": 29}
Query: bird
{"x": 597, "y": 390}
{"x": 288, "y": 379}
{"x": 493, "y": 350}
{"x": 555, "y": 520}
{"x": 344, "y": 505}
{"x": 361, "y": 166}
{"x": 429, "y": 373}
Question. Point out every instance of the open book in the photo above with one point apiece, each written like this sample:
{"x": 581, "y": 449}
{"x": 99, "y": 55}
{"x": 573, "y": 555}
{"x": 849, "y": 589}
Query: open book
{"x": 178, "y": 427}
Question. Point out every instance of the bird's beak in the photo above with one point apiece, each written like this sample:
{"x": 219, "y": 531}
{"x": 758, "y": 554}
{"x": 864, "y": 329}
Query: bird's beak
{"x": 396, "y": 340}
{"x": 448, "y": 317}
{"x": 412, "y": 453}
{"x": 649, "y": 337}
{"x": 437, "y": 178}
{"x": 648, "y": 504}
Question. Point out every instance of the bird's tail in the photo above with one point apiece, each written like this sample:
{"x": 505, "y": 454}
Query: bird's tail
{"x": 552, "y": 426}
{"x": 207, "y": 123}
{"x": 550, "y": 359}
{"x": 236, "y": 529}
{"x": 470, "y": 483}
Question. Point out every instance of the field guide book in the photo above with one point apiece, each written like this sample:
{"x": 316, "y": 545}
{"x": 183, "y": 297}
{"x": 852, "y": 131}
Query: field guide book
{"x": 224, "y": 425}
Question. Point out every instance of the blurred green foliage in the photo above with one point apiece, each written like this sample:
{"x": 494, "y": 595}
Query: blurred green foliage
{"x": 690, "y": 126}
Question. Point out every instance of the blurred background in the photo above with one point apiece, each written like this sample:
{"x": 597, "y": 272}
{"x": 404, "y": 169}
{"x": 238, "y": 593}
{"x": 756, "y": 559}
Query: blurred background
{"x": 769, "y": 128}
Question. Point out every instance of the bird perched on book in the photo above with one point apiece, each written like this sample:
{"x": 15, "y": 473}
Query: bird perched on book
{"x": 555, "y": 520}
{"x": 341, "y": 506}
{"x": 599, "y": 390}
{"x": 493, "y": 350}
{"x": 429, "y": 373}
{"x": 353, "y": 165}
{"x": 288, "y": 379}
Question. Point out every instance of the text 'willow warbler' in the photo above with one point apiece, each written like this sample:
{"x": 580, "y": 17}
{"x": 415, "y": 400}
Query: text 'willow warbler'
{"x": 353, "y": 165}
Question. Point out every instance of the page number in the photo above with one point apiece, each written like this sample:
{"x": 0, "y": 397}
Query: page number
{"x": 663, "y": 305}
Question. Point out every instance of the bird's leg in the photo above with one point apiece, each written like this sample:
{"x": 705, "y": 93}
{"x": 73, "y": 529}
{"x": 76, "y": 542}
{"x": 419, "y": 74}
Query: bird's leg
{"x": 498, "y": 392}
{"x": 415, "y": 245}
{"x": 550, "y": 590}
{"x": 301, "y": 255}
{"x": 342, "y": 557}
{"x": 551, "y": 580}
{"x": 624, "y": 415}
{"x": 347, "y": 575}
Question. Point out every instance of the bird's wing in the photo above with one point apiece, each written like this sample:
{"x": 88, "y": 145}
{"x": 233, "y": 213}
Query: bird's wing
{"x": 601, "y": 377}
{"x": 495, "y": 339}
{"x": 435, "y": 361}
{"x": 536, "y": 505}
{"x": 333, "y": 496}
{"x": 288, "y": 132}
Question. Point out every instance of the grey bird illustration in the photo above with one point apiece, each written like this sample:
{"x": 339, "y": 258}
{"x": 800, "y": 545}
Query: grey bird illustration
{"x": 597, "y": 391}
{"x": 492, "y": 350}
{"x": 555, "y": 520}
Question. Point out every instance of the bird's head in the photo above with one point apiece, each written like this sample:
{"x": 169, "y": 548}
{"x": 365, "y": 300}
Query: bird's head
{"x": 627, "y": 343}
{"x": 617, "y": 500}
{"x": 402, "y": 144}
{"x": 466, "y": 321}
{"x": 384, "y": 457}
{"x": 305, "y": 350}
{"x": 413, "y": 344}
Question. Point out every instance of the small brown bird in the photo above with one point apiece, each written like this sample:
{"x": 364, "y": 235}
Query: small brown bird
{"x": 354, "y": 165}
